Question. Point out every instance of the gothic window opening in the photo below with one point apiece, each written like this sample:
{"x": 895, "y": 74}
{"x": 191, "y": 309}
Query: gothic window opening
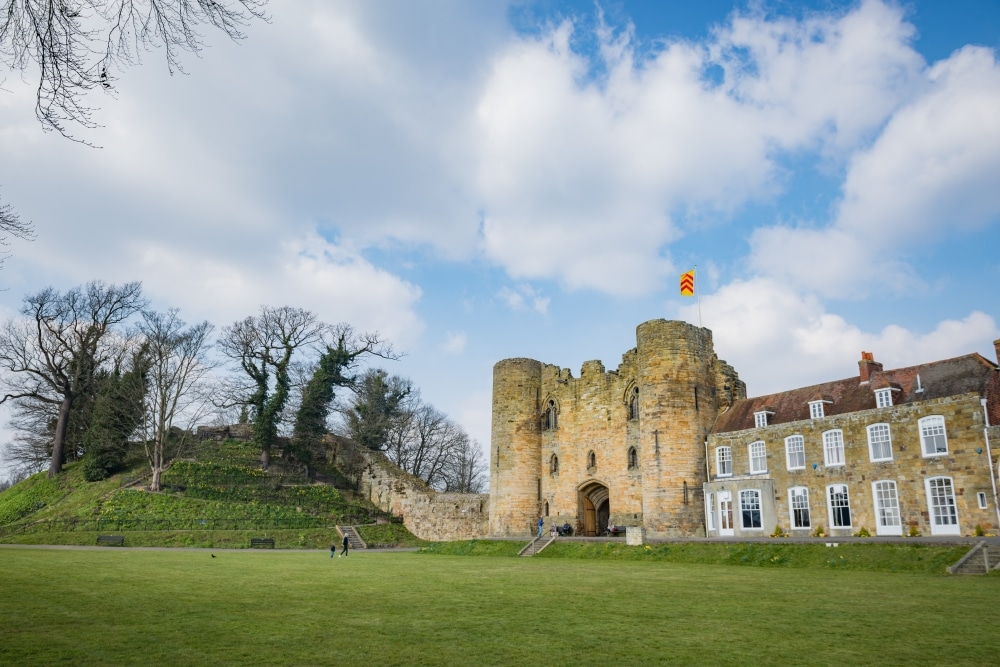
{"x": 592, "y": 460}
{"x": 550, "y": 417}
{"x": 554, "y": 465}
{"x": 633, "y": 404}
{"x": 633, "y": 458}
{"x": 546, "y": 508}
{"x": 685, "y": 492}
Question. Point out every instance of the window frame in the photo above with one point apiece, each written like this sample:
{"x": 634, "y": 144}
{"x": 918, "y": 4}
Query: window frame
{"x": 710, "y": 506}
{"x": 952, "y": 527}
{"x": 883, "y": 398}
{"x": 929, "y": 422}
{"x": 760, "y": 419}
{"x": 632, "y": 458}
{"x": 758, "y": 462}
{"x": 839, "y": 448}
{"x": 887, "y": 443}
{"x": 816, "y": 409}
{"x": 798, "y": 437}
{"x": 800, "y": 511}
{"x": 719, "y": 461}
{"x": 835, "y": 510}
{"x": 981, "y": 500}
{"x": 884, "y": 490}
{"x": 751, "y": 511}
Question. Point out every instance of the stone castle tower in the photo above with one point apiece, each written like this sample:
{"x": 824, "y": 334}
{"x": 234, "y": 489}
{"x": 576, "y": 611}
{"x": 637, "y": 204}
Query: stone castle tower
{"x": 626, "y": 446}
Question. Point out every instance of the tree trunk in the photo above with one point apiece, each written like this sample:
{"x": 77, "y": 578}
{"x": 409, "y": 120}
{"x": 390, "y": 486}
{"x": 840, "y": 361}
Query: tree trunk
{"x": 265, "y": 457}
{"x": 59, "y": 440}
{"x": 154, "y": 483}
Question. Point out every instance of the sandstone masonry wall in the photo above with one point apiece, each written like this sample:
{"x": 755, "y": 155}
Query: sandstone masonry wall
{"x": 426, "y": 513}
{"x": 649, "y": 467}
{"x": 968, "y": 469}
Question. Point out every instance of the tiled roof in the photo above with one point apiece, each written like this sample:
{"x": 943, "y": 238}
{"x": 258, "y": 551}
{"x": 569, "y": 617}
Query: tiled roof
{"x": 971, "y": 373}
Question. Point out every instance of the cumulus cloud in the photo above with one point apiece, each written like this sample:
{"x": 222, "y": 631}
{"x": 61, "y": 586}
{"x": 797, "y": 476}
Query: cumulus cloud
{"x": 930, "y": 173}
{"x": 779, "y": 339}
{"x": 587, "y": 181}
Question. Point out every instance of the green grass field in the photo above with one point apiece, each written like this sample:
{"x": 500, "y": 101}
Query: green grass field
{"x": 137, "y": 607}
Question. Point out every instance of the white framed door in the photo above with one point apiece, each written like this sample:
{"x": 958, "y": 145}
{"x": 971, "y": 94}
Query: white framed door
{"x": 941, "y": 506}
{"x": 887, "y": 521}
{"x": 725, "y": 514}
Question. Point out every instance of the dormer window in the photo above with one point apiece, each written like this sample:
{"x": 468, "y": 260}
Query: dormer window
{"x": 816, "y": 410}
{"x": 760, "y": 418}
{"x": 883, "y": 398}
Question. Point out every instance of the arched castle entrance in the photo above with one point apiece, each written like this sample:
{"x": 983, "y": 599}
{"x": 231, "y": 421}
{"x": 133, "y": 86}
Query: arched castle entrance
{"x": 593, "y": 510}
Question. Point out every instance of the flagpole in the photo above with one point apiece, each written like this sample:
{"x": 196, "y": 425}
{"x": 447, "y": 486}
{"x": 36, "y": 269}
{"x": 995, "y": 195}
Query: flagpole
{"x": 697, "y": 293}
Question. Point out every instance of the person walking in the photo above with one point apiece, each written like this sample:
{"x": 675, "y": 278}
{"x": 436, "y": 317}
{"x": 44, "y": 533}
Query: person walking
{"x": 333, "y": 550}
{"x": 541, "y": 525}
{"x": 347, "y": 542}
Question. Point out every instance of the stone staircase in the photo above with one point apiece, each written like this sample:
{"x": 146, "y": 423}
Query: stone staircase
{"x": 352, "y": 536}
{"x": 981, "y": 559}
{"x": 536, "y": 545}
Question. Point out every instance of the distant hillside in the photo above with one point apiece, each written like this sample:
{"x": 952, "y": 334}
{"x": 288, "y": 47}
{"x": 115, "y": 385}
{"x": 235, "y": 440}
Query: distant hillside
{"x": 217, "y": 498}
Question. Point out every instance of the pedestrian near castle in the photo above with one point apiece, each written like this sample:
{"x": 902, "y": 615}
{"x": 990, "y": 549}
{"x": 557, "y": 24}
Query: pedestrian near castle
{"x": 346, "y": 543}
{"x": 541, "y": 525}
{"x": 333, "y": 549}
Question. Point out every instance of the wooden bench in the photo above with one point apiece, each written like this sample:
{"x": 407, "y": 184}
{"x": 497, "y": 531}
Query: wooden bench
{"x": 261, "y": 543}
{"x": 115, "y": 540}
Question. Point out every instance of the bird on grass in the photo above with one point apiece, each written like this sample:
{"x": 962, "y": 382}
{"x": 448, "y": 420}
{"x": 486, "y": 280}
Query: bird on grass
{"x": 213, "y": 555}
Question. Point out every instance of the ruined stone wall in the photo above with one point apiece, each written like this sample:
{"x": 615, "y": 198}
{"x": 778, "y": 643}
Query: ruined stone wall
{"x": 968, "y": 469}
{"x": 426, "y": 513}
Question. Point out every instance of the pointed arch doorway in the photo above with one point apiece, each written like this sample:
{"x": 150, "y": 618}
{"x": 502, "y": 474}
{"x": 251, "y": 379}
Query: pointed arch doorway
{"x": 594, "y": 509}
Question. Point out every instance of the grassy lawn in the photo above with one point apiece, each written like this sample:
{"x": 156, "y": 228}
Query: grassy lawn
{"x": 121, "y": 607}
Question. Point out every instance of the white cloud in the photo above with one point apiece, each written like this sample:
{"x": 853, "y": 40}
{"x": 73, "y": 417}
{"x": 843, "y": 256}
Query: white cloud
{"x": 582, "y": 180}
{"x": 930, "y": 174}
{"x": 523, "y": 296}
{"x": 454, "y": 342}
{"x": 779, "y": 339}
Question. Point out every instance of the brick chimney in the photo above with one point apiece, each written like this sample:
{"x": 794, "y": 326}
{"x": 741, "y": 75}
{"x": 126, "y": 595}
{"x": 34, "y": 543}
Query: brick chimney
{"x": 996, "y": 346}
{"x": 868, "y": 364}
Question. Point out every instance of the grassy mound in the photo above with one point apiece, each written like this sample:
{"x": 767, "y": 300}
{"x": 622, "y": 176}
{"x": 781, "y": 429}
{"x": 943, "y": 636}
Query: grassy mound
{"x": 219, "y": 499}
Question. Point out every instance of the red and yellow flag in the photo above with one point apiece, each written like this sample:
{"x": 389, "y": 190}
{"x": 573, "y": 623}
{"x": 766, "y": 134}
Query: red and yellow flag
{"x": 687, "y": 283}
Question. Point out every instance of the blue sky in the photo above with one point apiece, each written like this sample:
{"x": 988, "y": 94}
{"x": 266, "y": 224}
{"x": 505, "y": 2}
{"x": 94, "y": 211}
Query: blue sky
{"x": 486, "y": 180}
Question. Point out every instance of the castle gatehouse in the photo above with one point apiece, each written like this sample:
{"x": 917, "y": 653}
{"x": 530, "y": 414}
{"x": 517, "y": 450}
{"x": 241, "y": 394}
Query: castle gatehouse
{"x": 625, "y": 446}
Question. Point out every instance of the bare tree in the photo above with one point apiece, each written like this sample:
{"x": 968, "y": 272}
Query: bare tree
{"x": 177, "y": 367}
{"x": 12, "y": 225}
{"x": 78, "y": 46}
{"x": 387, "y": 414}
{"x": 51, "y": 354}
{"x": 466, "y": 472}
